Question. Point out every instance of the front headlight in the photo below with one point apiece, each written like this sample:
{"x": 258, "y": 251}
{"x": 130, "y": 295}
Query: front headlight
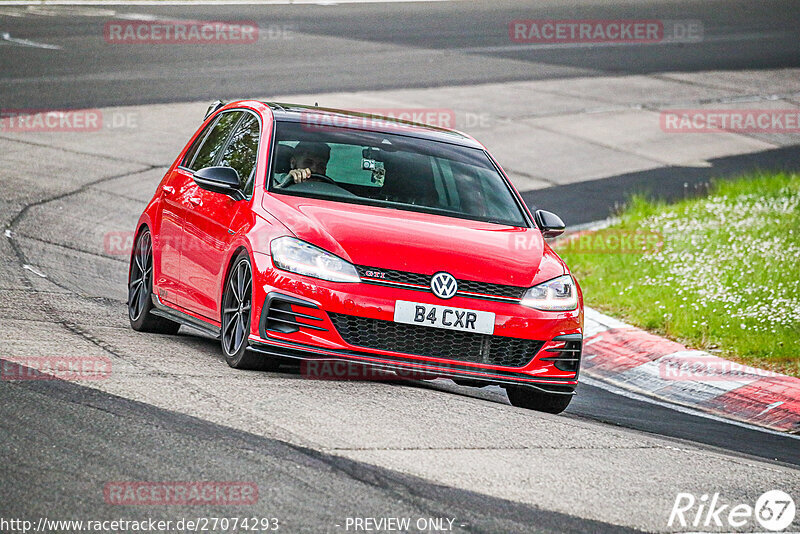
{"x": 558, "y": 294}
{"x": 291, "y": 254}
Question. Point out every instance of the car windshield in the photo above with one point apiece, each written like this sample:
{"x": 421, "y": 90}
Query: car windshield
{"x": 393, "y": 171}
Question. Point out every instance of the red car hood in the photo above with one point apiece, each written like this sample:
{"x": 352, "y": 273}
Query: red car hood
{"x": 419, "y": 242}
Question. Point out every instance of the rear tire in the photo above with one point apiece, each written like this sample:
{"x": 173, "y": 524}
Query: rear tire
{"x": 237, "y": 309}
{"x": 533, "y": 399}
{"x": 140, "y": 290}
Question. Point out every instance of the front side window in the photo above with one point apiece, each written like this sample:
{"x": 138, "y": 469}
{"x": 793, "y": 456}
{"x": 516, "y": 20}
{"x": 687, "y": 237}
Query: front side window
{"x": 215, "y": 140}
{"x": 241, "y": 153}
{"x": 393, "y": 171}
{"x": 198, "y": 142}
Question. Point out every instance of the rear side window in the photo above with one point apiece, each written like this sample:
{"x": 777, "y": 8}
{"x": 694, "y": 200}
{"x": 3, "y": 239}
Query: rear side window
{"x": 214, "y": 141}
{"x": 242, "y": 151}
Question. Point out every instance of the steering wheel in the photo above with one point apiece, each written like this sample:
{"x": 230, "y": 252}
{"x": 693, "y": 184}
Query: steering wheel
{"x": 314, "y": 176}
{"x": 321, "y": 178}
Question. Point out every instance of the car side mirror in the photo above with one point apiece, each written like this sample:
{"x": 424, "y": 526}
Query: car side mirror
{"x": 223, "y": 180}
{"x": 550, "y": 223}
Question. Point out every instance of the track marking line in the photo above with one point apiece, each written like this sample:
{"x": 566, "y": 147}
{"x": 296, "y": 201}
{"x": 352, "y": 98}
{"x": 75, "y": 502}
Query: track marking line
{"x": 34, "y": 270}
{"x": 46, "y": 11}
{"x": 5, "y": 36}
{"x": 565, "y": 46}
{"x": 770, "y": 407}
{"x": 139, "y": 16}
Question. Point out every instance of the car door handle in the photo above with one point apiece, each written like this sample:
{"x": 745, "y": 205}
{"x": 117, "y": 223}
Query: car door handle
{"x": 197, "y": 201}
{"x": 168, "y": 189}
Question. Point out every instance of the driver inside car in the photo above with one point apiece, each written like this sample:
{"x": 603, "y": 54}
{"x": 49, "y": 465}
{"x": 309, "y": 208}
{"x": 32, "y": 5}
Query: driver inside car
{"x": 308, "y": 158}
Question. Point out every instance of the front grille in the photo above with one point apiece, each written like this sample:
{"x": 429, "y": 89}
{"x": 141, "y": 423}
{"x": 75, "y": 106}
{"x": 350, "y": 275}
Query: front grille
{"x": 374, "y": 274}
{"x": 491, "y": 289}
{"x": 394, "y": 276}
{"x": 435, "y": 342}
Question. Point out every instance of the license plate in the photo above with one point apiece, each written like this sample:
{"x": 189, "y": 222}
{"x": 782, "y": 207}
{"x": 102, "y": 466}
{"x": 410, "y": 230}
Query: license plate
{"x": 447, "y": 317}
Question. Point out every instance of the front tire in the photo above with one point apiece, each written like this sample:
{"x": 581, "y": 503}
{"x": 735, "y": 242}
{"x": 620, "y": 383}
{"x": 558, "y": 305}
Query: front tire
{"x": 533, "y": 399}
{"x": 140, "y": 290}
{"x": 237, "y": 309}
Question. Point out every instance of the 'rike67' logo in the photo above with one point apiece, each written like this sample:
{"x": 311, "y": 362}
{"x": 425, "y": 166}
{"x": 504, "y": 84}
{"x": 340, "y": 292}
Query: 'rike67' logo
{"x": 774, "y": 511}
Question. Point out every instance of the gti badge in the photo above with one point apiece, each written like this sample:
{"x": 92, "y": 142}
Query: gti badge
{"x": 444, "y": 285}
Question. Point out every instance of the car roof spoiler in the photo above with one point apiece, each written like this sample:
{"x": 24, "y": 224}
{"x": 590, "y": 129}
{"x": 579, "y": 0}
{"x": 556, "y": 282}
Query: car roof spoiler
{"x": 215, "y": 105}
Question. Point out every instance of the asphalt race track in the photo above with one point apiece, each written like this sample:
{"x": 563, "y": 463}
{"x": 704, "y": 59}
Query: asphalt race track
{"x": 321, "y": 452}
{"x": 314, "y": 49}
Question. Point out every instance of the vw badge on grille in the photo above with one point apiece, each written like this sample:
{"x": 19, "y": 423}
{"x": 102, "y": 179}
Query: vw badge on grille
{"x": 444, "y": 285}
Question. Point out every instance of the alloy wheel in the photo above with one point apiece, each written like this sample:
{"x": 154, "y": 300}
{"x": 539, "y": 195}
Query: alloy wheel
{"x": 141, "y": 276}
{"x": 236, "y": 308}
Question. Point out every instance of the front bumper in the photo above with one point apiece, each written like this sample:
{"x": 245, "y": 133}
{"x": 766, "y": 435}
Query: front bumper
{"x": 304, "y": 328}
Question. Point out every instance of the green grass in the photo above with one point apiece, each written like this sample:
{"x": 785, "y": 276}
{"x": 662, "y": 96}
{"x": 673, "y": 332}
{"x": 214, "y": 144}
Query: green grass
{"x": 725, "y": 280}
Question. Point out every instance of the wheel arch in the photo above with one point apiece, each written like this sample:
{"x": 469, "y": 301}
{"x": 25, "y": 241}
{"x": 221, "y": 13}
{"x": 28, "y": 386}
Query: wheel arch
{"x": 228, "y": 266}
{"x": 141, "y": 227}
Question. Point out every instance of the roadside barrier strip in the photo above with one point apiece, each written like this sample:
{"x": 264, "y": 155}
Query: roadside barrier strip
{"x": 638, "y": 361}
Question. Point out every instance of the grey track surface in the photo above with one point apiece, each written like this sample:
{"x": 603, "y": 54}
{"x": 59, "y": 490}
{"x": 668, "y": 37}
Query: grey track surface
{"x": 368, "y": 47}
{"x": 665, "y": 183}
{"x": 173, "y": 410}
{"x": 306, "y": 490}
{"x": 584, "y": 464}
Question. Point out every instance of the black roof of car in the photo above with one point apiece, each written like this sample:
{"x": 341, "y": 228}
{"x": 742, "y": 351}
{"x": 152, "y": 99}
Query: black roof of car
{"x": 378, "y": 123}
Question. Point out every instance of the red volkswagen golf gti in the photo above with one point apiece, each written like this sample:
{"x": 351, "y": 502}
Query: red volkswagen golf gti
{"x": 300, "y": 232}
